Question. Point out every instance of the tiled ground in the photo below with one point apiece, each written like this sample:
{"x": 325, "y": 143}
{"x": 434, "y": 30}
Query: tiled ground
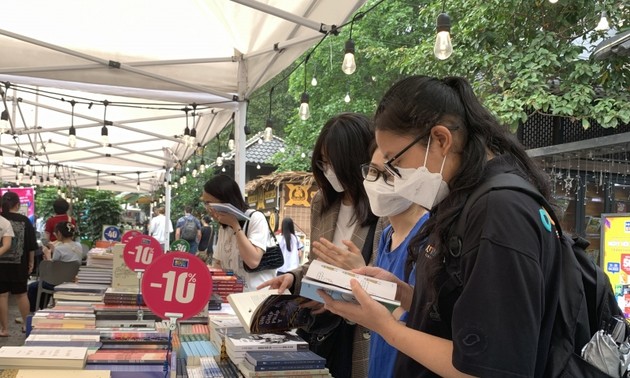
{"x": 16, "y": 337}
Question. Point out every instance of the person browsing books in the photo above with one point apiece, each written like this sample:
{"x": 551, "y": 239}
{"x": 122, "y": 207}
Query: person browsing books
{"x": 18, "y": 263}
{"x": 341, "y": 221}
{"x": 6, "y": 236}
{"x": 235, "y": 246}
{"x": 65, "y": 248}
{"x": 440, "y": 144}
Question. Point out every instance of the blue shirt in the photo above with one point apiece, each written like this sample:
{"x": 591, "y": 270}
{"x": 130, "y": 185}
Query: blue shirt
{"x": 383, "y": 355}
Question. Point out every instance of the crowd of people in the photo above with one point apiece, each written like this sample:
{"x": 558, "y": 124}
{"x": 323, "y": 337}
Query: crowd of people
{"x": 386, "y": 210}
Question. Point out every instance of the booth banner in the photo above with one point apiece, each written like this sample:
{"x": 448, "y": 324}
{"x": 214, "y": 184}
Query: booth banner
{"x": 27, "y": 201}
{"x": 111, "y": 233}
{"x": 616, "y": 256}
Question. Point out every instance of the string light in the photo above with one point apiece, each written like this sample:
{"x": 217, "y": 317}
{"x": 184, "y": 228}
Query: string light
{"x": 231, "y": 140}
{"x": 443, "y": 47}
{"x": 72, "y": 133}
{"x": 347, "y": 98}
{"x": 138, "y": 183}
{"x": 192, "y": 138}
{"x": 98, "y": 184}
{"x": 268, "y": 134}
{"x": 553, "y": 1}
{"x": 304, "y": 111}
{"x": 104, "y": 131}
{"x": 4, "y": 121}
{"x": 186, "y": 136}
{"x": 603, "y": 23}
{"x": 349, "y": 65}
{"x": 1, "y": 157}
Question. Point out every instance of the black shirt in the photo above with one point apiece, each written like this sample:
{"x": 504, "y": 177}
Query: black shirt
{"x": 501, "y": 319}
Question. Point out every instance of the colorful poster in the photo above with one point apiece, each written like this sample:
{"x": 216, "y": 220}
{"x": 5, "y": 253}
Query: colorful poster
{"x": 616, "y": 256}
{"x": 27, "y": 201}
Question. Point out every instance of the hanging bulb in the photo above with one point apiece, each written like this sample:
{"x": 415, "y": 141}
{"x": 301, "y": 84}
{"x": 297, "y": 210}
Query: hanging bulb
{"x": 603, "y": 23}
{"x": 257, "y": 166}
{"x": 28, "y": 166}
{"x": 268, "y": 135}
{"x": 72, "y": 137}
{"x": 303, "y": 155}
{"x": 223, "y": 169}
{"x": 304, "y": 112}
{"x": 347, "y": 98}
{"x": 314, "y": 81}
{"x": 202, "y": 166}
{"x": 175, "y": 185}
{"x": 195, "y": 172}
{"x": 20, "y": 175}
{"x": 1, "y": 158}
{"x": 349, "y": 66}
{"x": 4, "y": 122}
{"x": 219, "y": 160}
{"x": 443, "y": 47}
{"x": 553, "y": 1}
{"x": 231, "y": 141}
{"x": 184, "y": 179}
{"x": 104, "y": 136}
{"x": 192, "y": 140}
{"x": 138, "y": 186}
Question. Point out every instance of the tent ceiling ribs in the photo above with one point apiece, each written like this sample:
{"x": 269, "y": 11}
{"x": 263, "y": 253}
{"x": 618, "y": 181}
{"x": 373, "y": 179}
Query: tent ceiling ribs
{"x": 317, "y": 26}
{"x": 109, "y": 63}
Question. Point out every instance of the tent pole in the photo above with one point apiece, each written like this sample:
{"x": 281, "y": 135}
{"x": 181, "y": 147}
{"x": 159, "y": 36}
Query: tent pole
{"x": 240, "y": 173}
{"x": 318, "y": 26}
{"x": 167, "y": 205}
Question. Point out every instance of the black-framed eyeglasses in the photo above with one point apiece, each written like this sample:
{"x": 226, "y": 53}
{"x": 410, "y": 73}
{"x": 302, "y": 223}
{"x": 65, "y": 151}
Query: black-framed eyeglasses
{"x": 372, "y": 173}
{"x": 323, "y": 165}
{"x": 389, "y": 167}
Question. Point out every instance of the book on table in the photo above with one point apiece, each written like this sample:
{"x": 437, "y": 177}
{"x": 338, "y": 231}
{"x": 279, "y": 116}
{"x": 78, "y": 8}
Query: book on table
{"x": 127, "y": 357}
{"x": 239, "y": 340}
{"x": 247, "y": 371}
{"x": 285, "y": 359}
{"x": 43, "y": 357}
{"x": 228, "y": 208}
{"x": 74, "y": 373}
{"x": 265, "y": 311}
{"x": 336, "y": 283}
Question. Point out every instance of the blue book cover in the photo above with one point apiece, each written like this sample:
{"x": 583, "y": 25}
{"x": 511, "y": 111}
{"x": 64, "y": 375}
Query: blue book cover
{"x": 288, "y": 357}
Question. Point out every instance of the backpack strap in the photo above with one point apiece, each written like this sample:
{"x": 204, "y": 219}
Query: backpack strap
{"x": 501, "y": 181}
{"x": 271, "y": 234}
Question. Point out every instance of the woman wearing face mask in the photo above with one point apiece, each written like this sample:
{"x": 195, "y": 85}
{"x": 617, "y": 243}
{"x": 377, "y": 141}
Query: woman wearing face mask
{"x": 341, "y": 225}
{"x": 441, "y": 144}
{"x": 405, "y": 218}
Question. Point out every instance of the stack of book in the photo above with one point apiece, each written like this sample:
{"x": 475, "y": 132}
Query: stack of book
{"x": 74, "y": 292}
{"x": 92, "y": 341}
{"x": 218, "y": 325}
{"x": 283, "y": 363}
{"x": 238, "y": 342}
{"x": 42, "y": 357}
{"x": 123, "y": 315}
{"x": 100, "y": 258}
{"x": 75, "y": 320}
{"x": 134, "y": 338}
{"x": 94, "y": 275}
{"x": 123, "y": 297}
{"x": 215, "y": 302}
{"x": 224, "y": 285}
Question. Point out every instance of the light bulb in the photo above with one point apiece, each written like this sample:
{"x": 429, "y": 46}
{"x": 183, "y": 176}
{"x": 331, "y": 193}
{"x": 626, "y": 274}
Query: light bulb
{"x": 553, "y": 1}
{"x": 4, "y": 122}
{"x": 268, "y": 136}
{"x": 304, "y": 112}
{"x": 443, "y": 47}
{"x": 219, "y": 161}
{"x": 231, "y": 144}
{"x": 223, "y": 169}
{"x": 349, "y": 66}
{"x": 303, "y": 155}
{"x": 104, "y": 140}
{"x": 257, "y": 166}
{"x": 347, "y": 98}
{"x": 603, "y": 23}
{"x": 202, "y": 167}
{"x": 195, "y": 172}
{"x": 72, "y": 141}
{"x": 314, "y": 81}
{"x": 138, "y": 186}
{"x": 281, "y": 149}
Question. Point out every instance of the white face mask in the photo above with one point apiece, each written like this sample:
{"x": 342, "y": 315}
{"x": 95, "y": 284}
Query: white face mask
{"x": 384, "y": 202}
{"x": 420, "y": 186}
{"x": 333, "y": 180}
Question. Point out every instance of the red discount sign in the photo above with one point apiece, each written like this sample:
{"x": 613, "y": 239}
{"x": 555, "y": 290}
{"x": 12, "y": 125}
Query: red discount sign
{"x": 625, "y": 263}
{"x": 128, "y": 235}
{"x": 140, "y": 251}
{"x": 177, "y": 285}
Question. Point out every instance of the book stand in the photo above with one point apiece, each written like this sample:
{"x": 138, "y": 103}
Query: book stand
{"x": 140, "y": 313}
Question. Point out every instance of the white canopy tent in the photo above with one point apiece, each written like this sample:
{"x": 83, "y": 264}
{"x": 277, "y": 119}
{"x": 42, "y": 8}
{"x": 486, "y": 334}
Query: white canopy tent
{"x": 154, "y": 57}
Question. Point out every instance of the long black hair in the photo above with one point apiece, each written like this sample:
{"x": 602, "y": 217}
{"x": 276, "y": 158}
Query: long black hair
{"x": 226, "y": 190}
{"x": 344, "y": 140}
{"x": 288, "y": 229}
{"x": 412, "y": 107}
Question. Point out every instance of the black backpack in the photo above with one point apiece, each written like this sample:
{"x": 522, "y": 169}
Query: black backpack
{"x": 587, "y": 302}
{"x": 14, "y": 254}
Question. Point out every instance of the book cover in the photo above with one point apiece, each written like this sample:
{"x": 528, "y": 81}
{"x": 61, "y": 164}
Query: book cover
{"x": 285, "y": 368}
{"x": 228, "y": 208}
{"x": 266, "y": 311}
{"x": 43, "y": 357}
{"x": 238, "y": 340}
{"x": 130, "y": 356}
{"x": 245, "y": 370}
{"x": 123, "y": 278}
{"x": 285, "y": 358}
{"x": 336, "y": 283}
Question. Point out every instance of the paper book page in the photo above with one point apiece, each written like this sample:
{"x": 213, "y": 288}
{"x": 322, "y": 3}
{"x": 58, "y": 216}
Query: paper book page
{"x": 309, "y": 289}
{"x": 228, "y": 208}
{"x": 245, "y": 304}
{"x": 332, "y": 275}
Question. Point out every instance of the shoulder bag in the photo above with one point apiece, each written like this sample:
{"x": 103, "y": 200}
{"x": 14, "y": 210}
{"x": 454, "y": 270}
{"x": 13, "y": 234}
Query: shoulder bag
{"x": 272, "y": 258}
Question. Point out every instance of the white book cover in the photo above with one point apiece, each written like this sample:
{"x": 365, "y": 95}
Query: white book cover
{"x": 39, "y": 356}
{"x": 332, "y": 275}
{"x": 228, "y": 208}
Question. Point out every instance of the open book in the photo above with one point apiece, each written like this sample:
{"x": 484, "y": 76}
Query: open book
{"x": 228, "y": 208}
{"x": 336, "y": 283}
{"x": 266, "y": 311}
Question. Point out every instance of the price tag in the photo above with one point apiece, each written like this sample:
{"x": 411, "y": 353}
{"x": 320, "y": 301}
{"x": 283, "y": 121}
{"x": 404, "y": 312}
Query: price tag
{"x": 111, "y": 233}
{"x": 140, "y": 251}
{"x": 128, "y": 235}
{"x": 177, "y": 284}
{"x": 180, "y": 245}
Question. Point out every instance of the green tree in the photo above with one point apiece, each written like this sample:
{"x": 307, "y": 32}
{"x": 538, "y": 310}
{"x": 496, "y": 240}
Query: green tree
{"x": 521, "y": 57}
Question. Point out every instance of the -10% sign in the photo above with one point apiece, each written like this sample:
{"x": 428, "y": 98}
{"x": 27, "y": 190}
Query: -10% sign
{"x": 177, "y": 284}
{"x": 140, "y": 251}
